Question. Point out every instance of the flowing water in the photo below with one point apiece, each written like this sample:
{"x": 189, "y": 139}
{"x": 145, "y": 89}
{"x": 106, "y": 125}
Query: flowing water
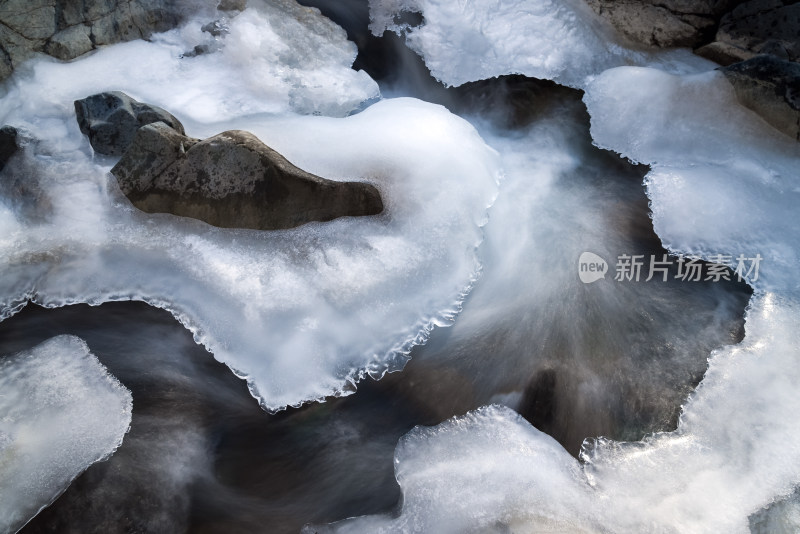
{"x": 508, "y": 321}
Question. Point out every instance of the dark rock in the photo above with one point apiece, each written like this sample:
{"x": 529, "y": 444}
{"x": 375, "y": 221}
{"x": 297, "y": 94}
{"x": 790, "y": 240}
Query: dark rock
{"x": 663, "y": 23}
{"x": 20, "y": 174}
{"x": 232, "y": 5}
{"x": 8, "y": 144}
{"x": 111, "y": 120}
{"x": 216, "y": 28}
{"x": 725, "y": 31}
{"x": 770, "y": 86}
{"x": 724, "y": 53}
{"x": 232, "y": 180}
{"x": 198, "y": 50}
{"x": 763, "y": 26}
{"x": 538, "y": 404}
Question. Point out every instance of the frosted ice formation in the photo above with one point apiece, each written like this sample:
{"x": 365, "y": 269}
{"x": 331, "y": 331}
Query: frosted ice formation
{"x": 475, "y": 474}
{"x": 530, "y": 314}
{"x": 279, "y": 57}
{"x": 560, "y": 40}
{"x": 782, "y": 517}
{"x": 722, "y": 182}
{"x": 301, "y": 313}
{"x": 60, "y": 412}
{"x": 491, "y": 471}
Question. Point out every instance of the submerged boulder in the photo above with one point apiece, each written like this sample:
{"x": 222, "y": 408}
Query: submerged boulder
{"x": 232, "y": 180}
{"x": 770, "y": 86}
{"x": 111, "y": 120}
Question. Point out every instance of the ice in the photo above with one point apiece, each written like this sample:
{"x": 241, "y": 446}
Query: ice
{"x": 782, "y": 517}
{"x": 302, "y": 313}
{"x": 723, "y": 182}
{"x": 278, "y": 58}
{"x": 560, "y": 40}
{"x": 490, "y": 471}
{"x": 617, "y": 369}
{"x": 732, "y": 454}
{"x": 60, "y": 412}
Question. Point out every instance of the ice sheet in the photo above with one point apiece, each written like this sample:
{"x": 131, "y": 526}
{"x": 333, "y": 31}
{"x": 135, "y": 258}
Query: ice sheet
{"x": 60, "y": 412}
{"x": 722, "y": 182}
{"x": 278, "y": 57}
{"x": 301, "y": 313}
{"x": 558, "y": 40}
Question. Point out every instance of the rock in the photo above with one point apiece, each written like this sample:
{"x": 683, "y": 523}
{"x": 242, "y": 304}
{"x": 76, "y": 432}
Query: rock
{"x": 770, "y": 86}
{"x": 111, "y": 120}
{"x": 20, "y": 177}
{"x": 70, "y": 43}
{"x": 67, "y": 29}
{"x": 763, "y": 26}
{"x": 232, "y": 180}
{"x": 232, "y": 5}
{"x": 725, "y": 31}
{"x": 198, "y": 50}
{"x": 15, "y": 49}
{"x": 32, "y": 19}
{"x": 724, "y": 53}
{"x": 660, "y": 23}
{"x": 8, "y": 144}
{"x": 217, "y": 28}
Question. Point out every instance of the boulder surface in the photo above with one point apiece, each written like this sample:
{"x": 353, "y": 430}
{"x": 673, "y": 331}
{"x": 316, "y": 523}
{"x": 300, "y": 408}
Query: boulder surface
{"x": 232, "y": 180}
{"x": 110, "y": 120}
{"x": 770, "y": 86}
{"x": 66, "y": 29}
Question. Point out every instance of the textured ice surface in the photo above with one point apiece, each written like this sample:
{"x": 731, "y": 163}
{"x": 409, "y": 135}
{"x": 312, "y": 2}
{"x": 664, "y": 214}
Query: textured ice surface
{"x": 722, "y": 182}
{"x": 530, "y": 316}
{"x": 60, "y": 411}
{"x": 279, "y": 57}
{"x": 560, "y": 40}
{"x": 301, "y": 313}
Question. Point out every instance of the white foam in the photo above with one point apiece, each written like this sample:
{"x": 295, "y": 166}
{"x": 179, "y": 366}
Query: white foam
{"x": 60, "y": 412}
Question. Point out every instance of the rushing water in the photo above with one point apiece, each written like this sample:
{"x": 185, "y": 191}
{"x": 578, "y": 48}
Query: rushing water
{"x": 202, "y": 456}
{"x": 615, "y": 359}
